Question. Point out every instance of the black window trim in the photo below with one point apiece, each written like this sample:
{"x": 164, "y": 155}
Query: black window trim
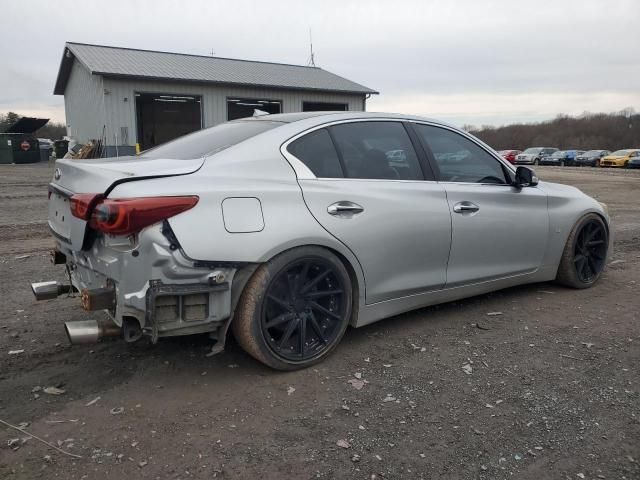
{"x": 304, "y": 173}
{"x": 508, "y": 170}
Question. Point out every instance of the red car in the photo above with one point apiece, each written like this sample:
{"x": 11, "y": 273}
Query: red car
{"x": 509, "y": 155}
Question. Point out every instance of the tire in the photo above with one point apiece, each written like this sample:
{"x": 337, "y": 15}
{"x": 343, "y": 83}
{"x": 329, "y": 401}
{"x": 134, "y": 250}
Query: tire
{"x": 281, "y": 304}
{"x": 562, "y": 163}
{"x": 585, "y": 253}
{"x": 536, "y": 161}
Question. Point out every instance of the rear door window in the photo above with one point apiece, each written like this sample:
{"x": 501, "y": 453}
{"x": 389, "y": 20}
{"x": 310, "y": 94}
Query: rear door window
{"x": 317, "y": 152}
{"x": 377, "y": 150}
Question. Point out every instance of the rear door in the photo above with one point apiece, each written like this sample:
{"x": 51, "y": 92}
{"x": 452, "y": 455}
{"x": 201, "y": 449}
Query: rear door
{"x": 498, "y": 230}
{"x": 368, "y": 188}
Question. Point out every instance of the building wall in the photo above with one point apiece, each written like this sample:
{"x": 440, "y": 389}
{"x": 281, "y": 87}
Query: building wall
{"x": 97, "y": 106}
{"x": 84, "y": 108}
{"x": 120, "y": 103}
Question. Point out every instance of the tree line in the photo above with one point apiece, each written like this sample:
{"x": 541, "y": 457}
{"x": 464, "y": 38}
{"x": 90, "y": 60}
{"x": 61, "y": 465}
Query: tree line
{"x": 590, "y": 131}
{"x": 52, "y": 130}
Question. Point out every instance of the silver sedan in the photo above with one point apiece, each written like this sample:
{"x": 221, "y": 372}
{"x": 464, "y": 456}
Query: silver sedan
{"x": 287, "y": 229}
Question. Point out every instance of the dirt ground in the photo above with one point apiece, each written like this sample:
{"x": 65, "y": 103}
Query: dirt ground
{"x": 553, "y": 389}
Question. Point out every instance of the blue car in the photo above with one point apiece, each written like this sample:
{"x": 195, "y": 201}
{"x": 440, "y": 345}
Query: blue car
{"x": 561, "y": 158}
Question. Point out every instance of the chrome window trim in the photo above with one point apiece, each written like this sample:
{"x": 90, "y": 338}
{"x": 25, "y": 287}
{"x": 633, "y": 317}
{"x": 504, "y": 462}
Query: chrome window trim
{"x": 304, "y": 173}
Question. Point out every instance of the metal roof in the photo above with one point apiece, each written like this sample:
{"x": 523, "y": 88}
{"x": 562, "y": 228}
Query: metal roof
{"x": 152, "y": 65}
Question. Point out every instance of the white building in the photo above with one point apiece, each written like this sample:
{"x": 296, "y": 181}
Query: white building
{"x": 126, "y": 97}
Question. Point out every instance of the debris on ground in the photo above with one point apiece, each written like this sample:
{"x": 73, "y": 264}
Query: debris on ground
{"x": 493, "y": 314}
{"x": 16, "y": 352}
{"x": 116, "y": 410}
{"x": 467, "y": 368}
{"x": 356, "y": 383}
{"x": 92, "y": 402}
{"x": 290, "y": 390}
{"x": 343, "y": 444}
{"x": 54, "y": 391}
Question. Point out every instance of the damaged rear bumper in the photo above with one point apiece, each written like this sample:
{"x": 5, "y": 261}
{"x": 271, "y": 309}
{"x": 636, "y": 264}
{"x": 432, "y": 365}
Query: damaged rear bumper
{"x": 148, "y": 282}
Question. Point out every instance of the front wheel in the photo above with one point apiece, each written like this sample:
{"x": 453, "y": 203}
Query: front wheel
{"x": 585, "y": 253}
{"x": 295, "y": 309}
{"x": 536, "y": 162}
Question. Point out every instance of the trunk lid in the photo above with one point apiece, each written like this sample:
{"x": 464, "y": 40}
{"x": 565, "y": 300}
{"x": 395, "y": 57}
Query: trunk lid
{"x": 96, "y": 177}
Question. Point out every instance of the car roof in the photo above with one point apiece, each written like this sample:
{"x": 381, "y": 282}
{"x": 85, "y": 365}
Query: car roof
{"x": 324, "y": 117}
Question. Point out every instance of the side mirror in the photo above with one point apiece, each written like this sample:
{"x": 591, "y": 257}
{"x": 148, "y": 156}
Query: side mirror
{"x": 525, "y": 177}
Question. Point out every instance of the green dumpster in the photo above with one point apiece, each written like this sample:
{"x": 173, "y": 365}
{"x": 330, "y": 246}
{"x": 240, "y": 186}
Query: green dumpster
{"x": 18, "y": 144}
{"x": 60, "y": 147}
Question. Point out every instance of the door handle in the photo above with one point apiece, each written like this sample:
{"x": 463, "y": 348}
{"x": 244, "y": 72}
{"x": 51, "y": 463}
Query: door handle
{"x": 465, "y": 207}
{"x": 340, "y": 208}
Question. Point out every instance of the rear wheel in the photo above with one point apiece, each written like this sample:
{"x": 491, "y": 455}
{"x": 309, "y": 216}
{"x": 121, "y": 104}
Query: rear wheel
{"x": 295, "y": 309}
{"x": 585, "y": 253}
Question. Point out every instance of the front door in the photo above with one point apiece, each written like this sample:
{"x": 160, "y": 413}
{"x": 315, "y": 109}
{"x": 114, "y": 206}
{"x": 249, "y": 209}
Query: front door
{"x": 498, "y": 230}
{"x": 370, "y": 193}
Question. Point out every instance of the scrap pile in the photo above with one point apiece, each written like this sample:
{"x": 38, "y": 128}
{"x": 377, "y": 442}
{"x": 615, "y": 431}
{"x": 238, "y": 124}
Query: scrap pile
{"x": 92, "y": 149}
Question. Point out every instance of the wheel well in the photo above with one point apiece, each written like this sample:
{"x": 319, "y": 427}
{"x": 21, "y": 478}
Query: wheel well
{"x": 355, "y": 286}
{"x": 244, "y": 275}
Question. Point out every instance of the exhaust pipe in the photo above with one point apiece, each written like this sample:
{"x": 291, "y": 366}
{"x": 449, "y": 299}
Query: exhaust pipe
{"x": 90, "y": 331}
{"x": 49, "y": 290}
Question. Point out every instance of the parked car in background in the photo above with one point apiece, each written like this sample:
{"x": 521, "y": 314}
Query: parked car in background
{"x": 556, "y": 158}
{"x": 591, "y": 158}
{"x": 510, "y": 155}
{"x": 533, "y": 155}
{"x": 269, "y": 227}
{"x": 620, "y": 158}
{"x": 561, "y": 158}
{"x": 634, "y": 163}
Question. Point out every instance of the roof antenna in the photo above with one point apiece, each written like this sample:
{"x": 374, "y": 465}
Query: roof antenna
{"x": 312, "y": 61}
{"x": 212, "y": 53}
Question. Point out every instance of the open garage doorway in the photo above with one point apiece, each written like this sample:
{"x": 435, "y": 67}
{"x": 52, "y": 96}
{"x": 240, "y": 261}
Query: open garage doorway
{"x": 245, "y": 107}
{"x": 324, "y": 107}
{"x": 163, "y": 117}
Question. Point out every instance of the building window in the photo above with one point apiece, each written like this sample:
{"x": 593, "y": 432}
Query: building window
{"x": 324, "y": 107}
{"x": 245, "y": 107}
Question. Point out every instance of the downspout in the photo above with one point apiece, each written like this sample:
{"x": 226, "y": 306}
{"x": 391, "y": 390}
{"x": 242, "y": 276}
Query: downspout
{"x": 364, "y": 101}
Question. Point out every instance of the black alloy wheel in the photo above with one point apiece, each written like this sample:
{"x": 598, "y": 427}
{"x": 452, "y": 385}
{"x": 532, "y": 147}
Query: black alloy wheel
{"x": 304, "y": 309}
{"x": 590, "y": 251}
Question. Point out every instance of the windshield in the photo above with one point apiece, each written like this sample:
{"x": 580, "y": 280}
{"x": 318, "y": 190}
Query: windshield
{"x": 210, "y": 140}
{"x": 532, "y": 150}
{"x": 592, "y": 153}
{"x": 557, "y": 154}
{"x": 621, "y": 153}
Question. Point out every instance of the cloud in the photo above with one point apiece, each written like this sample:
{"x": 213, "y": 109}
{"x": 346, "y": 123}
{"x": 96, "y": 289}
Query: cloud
{"x": 473, "y": 61}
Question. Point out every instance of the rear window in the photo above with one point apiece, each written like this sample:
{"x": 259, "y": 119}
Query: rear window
{"x": 210, "y": 140}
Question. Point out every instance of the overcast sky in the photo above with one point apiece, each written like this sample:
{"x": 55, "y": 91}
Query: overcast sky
{"x": 469, "y": 62}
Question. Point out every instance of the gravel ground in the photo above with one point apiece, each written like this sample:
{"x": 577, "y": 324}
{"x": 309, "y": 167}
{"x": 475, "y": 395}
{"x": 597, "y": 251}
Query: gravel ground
{"x": 548, "y": 388}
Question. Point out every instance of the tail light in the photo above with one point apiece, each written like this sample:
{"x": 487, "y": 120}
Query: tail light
{"x": 82, "y": 203}
{"x": 125, "y": 216}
